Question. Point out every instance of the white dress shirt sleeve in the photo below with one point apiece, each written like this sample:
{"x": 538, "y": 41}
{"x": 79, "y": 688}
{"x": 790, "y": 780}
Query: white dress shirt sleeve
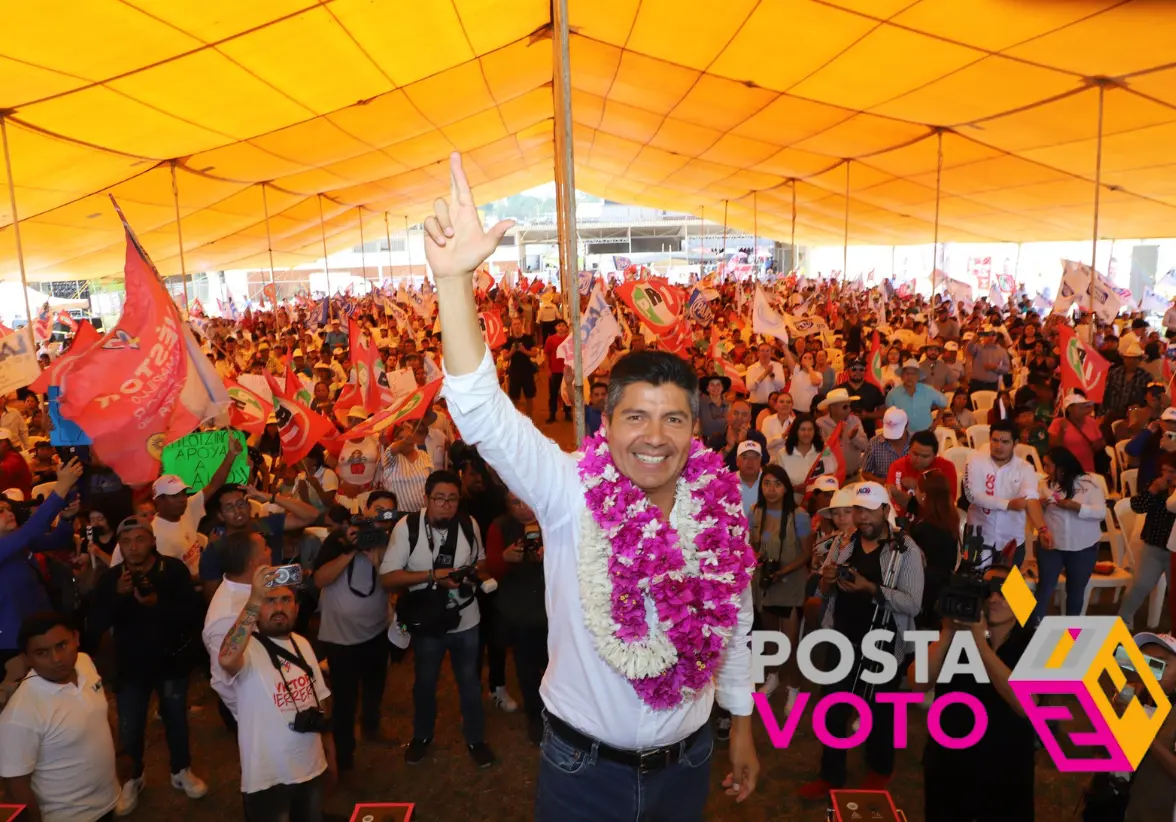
{"x": 531, "y": 465}
{"x": 974, "y": 476}
{"x": 733, "y": 684}
{"x": 19, "y": 747}
{"x": 1091, "y": 498}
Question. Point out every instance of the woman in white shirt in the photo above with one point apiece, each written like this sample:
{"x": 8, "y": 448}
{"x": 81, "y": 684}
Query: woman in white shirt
{"x": 776, "y": 427}
{"x": 801, "y": 448}
{"x": 1074, "y": 508}
{"x": 806, "y": 382}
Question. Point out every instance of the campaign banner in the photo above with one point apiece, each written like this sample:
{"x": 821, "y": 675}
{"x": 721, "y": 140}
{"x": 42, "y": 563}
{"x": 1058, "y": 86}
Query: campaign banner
{"x": 195, "y": 457}
{"x": 18, "y": 361}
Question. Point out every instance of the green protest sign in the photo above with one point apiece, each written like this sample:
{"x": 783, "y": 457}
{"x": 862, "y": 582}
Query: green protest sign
{"x": 195, "y": 458}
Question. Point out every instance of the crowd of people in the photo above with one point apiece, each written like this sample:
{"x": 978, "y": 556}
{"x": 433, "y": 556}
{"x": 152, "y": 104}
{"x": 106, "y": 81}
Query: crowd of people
{"x": 297, "y": 593}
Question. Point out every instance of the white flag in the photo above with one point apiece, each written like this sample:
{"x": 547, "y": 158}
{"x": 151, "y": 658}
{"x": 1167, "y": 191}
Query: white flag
{"x": 765, "y": 319}
{"x": 598, "y": 329}
{"x": 995, "y": 298}
{"x": 1075, "y": 284}
{"x": 1152, "y": 302}
{"x": 805, "y": 326}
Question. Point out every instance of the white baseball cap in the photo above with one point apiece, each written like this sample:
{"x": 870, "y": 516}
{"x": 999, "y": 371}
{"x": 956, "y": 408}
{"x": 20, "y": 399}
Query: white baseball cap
{"x": 894, "y": 422}
{"x": 14, "y": 494}
{"x": 1075, "y": 399}
{"x": 1169, "y": 415}
{"x": 870, "y": 495}
{"x": 1150, "y": 638}
{"x": 749, "y": 445}
{"x": 911, "y": 363}
{"x": 167, "y": 485}
{"x": 951, "y": 345}
{"x": 825, "y": 482}
{"x": 843, "y": 498}
{"x": 298, "y": 352}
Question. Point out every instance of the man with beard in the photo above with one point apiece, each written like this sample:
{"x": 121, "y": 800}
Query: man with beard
{"x": 874, "y": 580}
{"x": 870, "y": 404}
{"x": 287, "y": 753}
{"x": 614, "y": 745}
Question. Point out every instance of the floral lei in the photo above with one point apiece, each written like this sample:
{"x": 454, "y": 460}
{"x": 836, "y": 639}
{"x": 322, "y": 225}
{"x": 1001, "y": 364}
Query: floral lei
{"x": 661, "y": 599}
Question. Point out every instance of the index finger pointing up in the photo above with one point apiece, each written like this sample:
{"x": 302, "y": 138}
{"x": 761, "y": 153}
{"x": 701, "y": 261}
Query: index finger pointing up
{"x": 459, "y": 186}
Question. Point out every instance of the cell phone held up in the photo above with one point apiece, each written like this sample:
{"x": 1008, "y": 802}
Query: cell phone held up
{"x": 846, "y": 574}
{"x": 532, "y": 544}
{"x": 286, "y": 576}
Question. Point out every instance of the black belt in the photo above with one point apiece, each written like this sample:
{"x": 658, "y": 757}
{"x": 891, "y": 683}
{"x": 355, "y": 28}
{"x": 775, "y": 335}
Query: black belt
{"x": 651, "y": 759}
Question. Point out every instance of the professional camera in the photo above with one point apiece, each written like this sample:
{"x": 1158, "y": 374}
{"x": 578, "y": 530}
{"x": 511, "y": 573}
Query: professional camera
{"x": 370, "y": 534}
{"x": 470, "y": 582}
{"x": 768, "y": 569}
{"x": 310, "y": 721}
{"x": 142, "y": 584}
{"x": 963, "y": 598}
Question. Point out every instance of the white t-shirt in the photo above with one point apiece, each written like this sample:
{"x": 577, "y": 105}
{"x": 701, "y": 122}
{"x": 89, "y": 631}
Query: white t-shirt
{"x": 223, "y": 610}
{"x": 328, "y": 479}
{"x": 358, "y": 461}
{"x": 178, "y": 540}
{"x": 271, "y": 753}
{"x": 399, "y": 557}
{"x": 60, "y": 734}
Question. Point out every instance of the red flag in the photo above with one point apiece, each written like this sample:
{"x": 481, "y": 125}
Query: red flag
{"x": 537, "y": 286}
{"x": 85, "y": 337}
{"x": 43, "y": 325}
{"x": 656, "y": 303}
{"x": 492, "y": 330}
{"x": 874, "y": 370}
{"x": 63, "y": 318}
{"x": 249, "y": 411}
{"x": 295, "y": 388}
{"x": 831, "y": 461}
{"x": 412, "y": 407}
{"x": 679, "y": 341}
{"x": 271, "y": 293}
{"x": 363, "y": 360}
{"x": 300, "y": 428}
{"x": 197, "y": 309}
{"x": 723, "y": 367}
{"x": 1082, "y": 366}
{"x": 138, "y": 389}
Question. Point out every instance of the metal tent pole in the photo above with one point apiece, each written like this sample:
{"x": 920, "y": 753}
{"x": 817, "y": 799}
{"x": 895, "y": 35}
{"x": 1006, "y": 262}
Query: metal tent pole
{"x": 362, "y": 251}
{"x": 388, "y": 240}
{"x": 24, "y": 283}
{"x": 180, "y": 236}
{"x": 269, "y": 247}
{"x": 1097, "y": 191}
{"x": 408, "y": 249}
{"x": 845, "y": 242}
{"x": 755, "y": 234}
{"x": 565, "y": 194}
{"x": 795, "y": 256}
{"x": 323, "y": 230}
{"x": 723, "y": 252}
{"x": 938, "y": 180}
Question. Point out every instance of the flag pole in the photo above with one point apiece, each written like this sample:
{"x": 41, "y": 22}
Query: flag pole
{"x": 407, "y": 248}
{"x": 388, "y": 239}
{"x": 269, "y": 247}
{"x": 1097, "y": 191}
{"x": 565, "y": 196}
{"x": 180, "y": 236}
{"x": 755, "y": 234}
{"x": 323, "y": 231}
{"x": 16, "y": 226}
{"x": 845, "y": 243}
{"x": 362, "y": 253}
{"x": 938, "y": 179}
{"x": 723, "y": 252}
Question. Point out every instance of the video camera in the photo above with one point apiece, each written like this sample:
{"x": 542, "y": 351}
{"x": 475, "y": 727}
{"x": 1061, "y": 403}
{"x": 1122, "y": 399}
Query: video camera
{"x": 963, "y": 598}
{"x": 370, "y": 534}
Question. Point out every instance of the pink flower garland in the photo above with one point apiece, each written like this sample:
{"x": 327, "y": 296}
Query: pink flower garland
{"x": 697, "y": 610}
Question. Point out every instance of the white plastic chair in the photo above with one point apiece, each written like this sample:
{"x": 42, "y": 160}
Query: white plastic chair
{"x": 958, "y": 457}
{"x": 43, "y": 490}
{"x": 1128, "y": 482}
{"x": 1121, "y": 454}
{"x": 1030, "y": 455}
{"x": 982, "y": 401}
{"x": 947, "y": 438}
{"x": 978, "y": 434}
{"x": 1113, "y": 493}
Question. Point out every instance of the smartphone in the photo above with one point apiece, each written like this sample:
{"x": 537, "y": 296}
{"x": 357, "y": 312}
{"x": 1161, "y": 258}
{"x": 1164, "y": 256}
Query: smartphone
{"x": 286, "y": 575}
{"x": 846, "y": 573}
{"x": 68, "y": 452}
{"x": 1157, "y": 666}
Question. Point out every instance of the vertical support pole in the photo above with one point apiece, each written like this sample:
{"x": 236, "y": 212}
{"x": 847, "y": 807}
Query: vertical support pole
{"x": 755, "y": 234}
{"x": 407, "y": 249}
{"x": 362, "y": 251}
{"x": 179, "y": 236}
{"x": 565, "y": 194}
{"x": 323, "y": 231}
{"x": 845, "y": 241}
{"x": 723, "y": 251}
{"x": 795, "y": 256}
{"x": 388, "y": 240}
{"x": 1097, "y": 191}
{"x": 24, "y": 283}
{"x": 269, "y": 247}
{"x": 938, "y": 180}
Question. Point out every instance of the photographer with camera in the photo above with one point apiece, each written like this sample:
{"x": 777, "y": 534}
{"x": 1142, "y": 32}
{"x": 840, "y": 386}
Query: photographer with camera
{"x": 1001, "y": 491}
{"x": 514, "y": 556}
{"x": 354, "y": 618}
{"x": 150, "y": 605}
{"x": 437, "y": 555}
{"x": 875, "y": 581}
{"x": 780, "y": 536}
{"x": 966, "y": 784}
{"x": 282, "y": 707}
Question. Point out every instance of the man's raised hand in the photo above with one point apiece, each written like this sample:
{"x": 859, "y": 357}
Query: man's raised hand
{"x": 456, "y": 244}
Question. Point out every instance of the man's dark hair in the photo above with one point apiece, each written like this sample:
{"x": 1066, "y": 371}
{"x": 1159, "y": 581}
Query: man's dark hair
{"x": 441, "y": 478}
{"x": 379, "y": 494}
{"x": 926, "y": 438}
{"x": 598, "y": 384}
{"x": 39, "y": 624}
{"x": 1008, "y": 426}
{"x": 655, "y": 368}
{"x": 214, "y": 503}
{"x": 233, "y": 552}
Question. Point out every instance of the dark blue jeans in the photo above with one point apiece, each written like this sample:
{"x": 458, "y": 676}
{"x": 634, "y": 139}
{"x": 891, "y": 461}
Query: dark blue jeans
{"x": 1078, "y": 565}
{"x": 576, "y": 785}
{"x": 463, "y": 656}
{"x": 134, "y": 697}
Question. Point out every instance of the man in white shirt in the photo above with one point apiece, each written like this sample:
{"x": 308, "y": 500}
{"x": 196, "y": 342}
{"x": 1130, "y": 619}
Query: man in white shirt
{"x": 1001, "y": 489}
{"x": 749, "y": 460}
{"x": 14, "y": 421}
{"x": 604, "y": 745}
{"x": 764, "y": 377}
{"x": 56, "y": 749}
{"x": 421, "y": 557}
{"x": 287, "y": 753}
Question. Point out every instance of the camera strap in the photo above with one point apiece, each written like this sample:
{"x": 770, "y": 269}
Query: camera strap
{"x": 278, "y": 654}
{"x": 350, "y": 571}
